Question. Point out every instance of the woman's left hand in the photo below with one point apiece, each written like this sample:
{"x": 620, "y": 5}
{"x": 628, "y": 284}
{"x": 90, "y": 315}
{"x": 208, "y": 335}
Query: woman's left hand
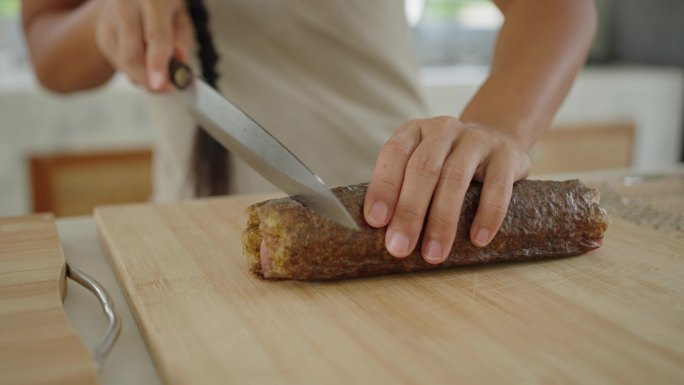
{"x": 428, "y": 164}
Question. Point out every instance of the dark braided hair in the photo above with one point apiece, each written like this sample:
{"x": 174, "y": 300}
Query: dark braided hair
{"x": 209, "y": 158}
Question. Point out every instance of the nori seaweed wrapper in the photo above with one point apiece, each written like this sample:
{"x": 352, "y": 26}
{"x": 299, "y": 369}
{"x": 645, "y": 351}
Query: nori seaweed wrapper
{"x": 545, "y": 219}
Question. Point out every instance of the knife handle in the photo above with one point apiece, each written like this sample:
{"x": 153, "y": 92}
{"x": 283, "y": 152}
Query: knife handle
{"x": 180, "y": 74}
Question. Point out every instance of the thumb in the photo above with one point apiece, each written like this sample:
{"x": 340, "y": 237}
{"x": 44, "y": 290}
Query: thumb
{"x": 157, "y": 24}
{"x": 184, "y": 40}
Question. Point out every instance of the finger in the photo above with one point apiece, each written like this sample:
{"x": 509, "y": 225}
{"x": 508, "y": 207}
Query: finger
{"x": 447, "y": 202}
{"x": 106, "y": 38}
{"x": 420, "y": 178}
{"x": 383, "y": 190}
{"x": 494, "y": 199}
{"x": 157, "y": 23}
{"x": 184, "y": 35}
{"x": 131, "y": 51}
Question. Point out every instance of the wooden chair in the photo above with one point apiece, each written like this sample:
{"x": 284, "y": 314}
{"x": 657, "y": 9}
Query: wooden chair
{"x": 69, "y": 184}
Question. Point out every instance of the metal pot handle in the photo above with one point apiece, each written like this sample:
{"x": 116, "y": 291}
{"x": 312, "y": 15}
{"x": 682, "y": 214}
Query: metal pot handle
{"x": 114, "y": 322}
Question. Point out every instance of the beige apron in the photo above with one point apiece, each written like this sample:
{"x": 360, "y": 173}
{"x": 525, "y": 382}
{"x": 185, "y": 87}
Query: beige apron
{"x": 331, "y": 79}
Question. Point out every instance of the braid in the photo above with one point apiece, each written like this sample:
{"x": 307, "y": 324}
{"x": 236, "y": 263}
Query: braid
{"x": 209, "y": 159}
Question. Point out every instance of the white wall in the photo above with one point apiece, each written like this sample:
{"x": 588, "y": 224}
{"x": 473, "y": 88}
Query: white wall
{"x": 651, "y": 97}
{"x": 116, "y": 116}
{"x": 33, "y": 121}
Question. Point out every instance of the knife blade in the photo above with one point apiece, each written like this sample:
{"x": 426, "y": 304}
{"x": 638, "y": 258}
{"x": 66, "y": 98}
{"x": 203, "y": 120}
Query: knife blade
{"x": 246, "y": 138}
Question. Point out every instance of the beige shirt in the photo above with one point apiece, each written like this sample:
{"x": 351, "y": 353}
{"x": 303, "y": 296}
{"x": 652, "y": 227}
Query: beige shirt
{"x": 331, "y": 79}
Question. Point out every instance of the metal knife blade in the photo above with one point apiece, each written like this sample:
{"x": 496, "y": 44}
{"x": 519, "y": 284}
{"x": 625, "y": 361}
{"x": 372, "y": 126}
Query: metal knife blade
{"x": 244, "y": 137}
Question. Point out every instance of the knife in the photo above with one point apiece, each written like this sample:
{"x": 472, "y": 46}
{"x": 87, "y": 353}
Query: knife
{"x": 243, "y": 136}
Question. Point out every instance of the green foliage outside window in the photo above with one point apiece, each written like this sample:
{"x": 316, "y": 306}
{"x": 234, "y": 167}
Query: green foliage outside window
{"x": 9, "y": 8}
{"x": 437, "y": 11}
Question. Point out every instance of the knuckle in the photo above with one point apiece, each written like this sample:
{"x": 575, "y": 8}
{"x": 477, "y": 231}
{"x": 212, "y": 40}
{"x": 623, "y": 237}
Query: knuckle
{"x": 149, "y": 4}
{"x": 399, "y": 146}
{"x": 446, "y": 121}
{"x": 437, "y": 130}
{"x": 441, "y": 126}
{"x": 517, "y": 158}
{"x": 157, "y": 34}
{"x": 410, "y": 123}
{"x": 441, "y": 223}
{"x": 425, "y": 166}
{"x": 506, "y": 149}
{"x": 104, "y": 39}
{"x": 496, "y": 209}
{"x": 501, "y": 184}
{"x": 455, "y": 175}
{"x": 120, "y": 10}
{"x": 110, "y": 31}
{"x": 409, "y": 213}
{"x": 385, "y": 185}
{"x": 473, "y": 135}
{"x": 132, "y": 58}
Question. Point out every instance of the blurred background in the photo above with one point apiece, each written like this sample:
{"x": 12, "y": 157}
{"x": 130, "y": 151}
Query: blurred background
{"x": 66, "y": 154}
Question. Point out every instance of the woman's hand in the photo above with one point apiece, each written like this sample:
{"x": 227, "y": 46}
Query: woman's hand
{"x": 427, "y": 165}
{"x": 138, "y": 37}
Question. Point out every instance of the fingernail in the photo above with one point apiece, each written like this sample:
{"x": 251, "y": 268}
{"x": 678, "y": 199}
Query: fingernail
{"x": 378, "y": 213}
{"x": 482, "y": 237}
{"x": 398, "y": 244}
{"x": 157, "y": 80}
{"x": 433, "y": 252}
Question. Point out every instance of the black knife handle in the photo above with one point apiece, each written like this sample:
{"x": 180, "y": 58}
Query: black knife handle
{"x": 180, "y": 74}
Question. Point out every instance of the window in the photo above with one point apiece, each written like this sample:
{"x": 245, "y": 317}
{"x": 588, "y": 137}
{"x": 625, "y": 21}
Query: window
{"x": 12, "y": 52}
{"x": 451, "y": 32}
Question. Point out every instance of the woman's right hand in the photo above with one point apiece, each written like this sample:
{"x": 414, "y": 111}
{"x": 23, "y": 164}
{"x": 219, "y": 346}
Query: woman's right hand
{"x": 139, "y": 37}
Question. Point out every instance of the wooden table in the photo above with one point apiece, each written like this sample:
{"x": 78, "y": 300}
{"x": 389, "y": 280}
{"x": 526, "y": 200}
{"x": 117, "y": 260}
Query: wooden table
{"x": 649, "y": 206}
{"x": 611, "y": 316}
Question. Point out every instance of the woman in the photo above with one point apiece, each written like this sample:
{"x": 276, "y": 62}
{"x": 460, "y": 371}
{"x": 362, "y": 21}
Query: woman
{"x": 333, "y": 80}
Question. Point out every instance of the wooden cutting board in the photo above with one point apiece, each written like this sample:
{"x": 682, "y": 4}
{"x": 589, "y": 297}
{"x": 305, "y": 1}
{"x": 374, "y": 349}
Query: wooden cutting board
{"x": 37, "y": 343}
{"x": 614, "y": 315}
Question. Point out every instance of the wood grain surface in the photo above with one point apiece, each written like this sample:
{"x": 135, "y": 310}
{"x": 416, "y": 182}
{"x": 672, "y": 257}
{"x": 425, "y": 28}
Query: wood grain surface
{"x": 612, "y": 316}
{"x": 37, "y": 344}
